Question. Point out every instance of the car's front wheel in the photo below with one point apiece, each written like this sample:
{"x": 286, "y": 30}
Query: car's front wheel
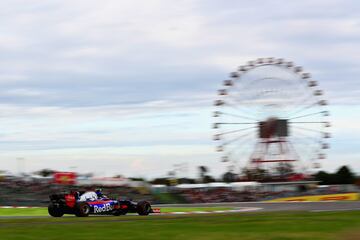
{"x": 55, "y": 211}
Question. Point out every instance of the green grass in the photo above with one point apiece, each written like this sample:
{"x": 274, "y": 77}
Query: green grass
{"x": 23, "y": 212}
{"x": 43, "y": 211}
{"x": 169, "y": 198}
{"x": 244, "y": 226}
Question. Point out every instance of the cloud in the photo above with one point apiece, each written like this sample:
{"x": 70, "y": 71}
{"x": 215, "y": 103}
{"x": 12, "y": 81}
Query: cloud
{"x": 80, "y": 73}
{"x": 94, "y": 47}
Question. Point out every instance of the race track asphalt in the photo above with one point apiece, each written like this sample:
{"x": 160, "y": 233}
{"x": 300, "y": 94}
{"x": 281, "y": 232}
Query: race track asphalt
{"x": 285, "y": 206}
{"x": 253, "y": 207}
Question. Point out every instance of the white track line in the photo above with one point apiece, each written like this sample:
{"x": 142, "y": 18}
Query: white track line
{"x": 332, "y": 210}
{"x": 18, "y": 207}
{"x": 241, "y": 209}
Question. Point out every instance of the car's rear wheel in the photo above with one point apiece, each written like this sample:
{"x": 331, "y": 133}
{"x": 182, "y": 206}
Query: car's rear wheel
{"x": 82, "y": 209}
{"x": 143, "y": 208}
{"x": 55, "y": 211}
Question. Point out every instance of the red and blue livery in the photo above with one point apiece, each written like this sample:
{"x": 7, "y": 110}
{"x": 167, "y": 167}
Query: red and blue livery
{"x": 82, "y": 204}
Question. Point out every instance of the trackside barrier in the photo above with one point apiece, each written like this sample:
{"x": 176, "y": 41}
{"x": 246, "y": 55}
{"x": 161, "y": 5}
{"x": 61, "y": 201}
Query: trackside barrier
{"x": 320, "y": 198}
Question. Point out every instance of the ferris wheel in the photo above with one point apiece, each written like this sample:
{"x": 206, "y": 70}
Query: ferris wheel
{"x": 270, "y": 112}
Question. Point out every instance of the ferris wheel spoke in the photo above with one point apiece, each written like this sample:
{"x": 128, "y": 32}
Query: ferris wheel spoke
{"x": 303, "y": 109}
{"x": 307, "y": 129}
{"x": 306, "y": 153}
{"x": 308, "y": 149}
{"x": 244, "y": 135}
{"x": 307, "y": 134}
{"x": 235, "y": 139}
{"x": 305, "y": 143}
{"x": 305, "y": 99}
{"x": 298, "y": 104}
{"x": 302, "y": 143}
{"x": 294, "y": 150}
{"x": 236, "y": 123}
{"x": 236, "y": 150}
{"x": 236, "y": 147}
{"x": 233, "y": 150}
{"x": 241, "y": 110}
{"x": 303, "y": 104}
{"x": 240, "y": 154}
{"x": 241, "y": 102}
{"x": 230, "y": 140}
{"x": 307, "y": 115}
{"x": 306, "y": 139}
{"x": 236, "y": 115}
{"x": 235, "y": 131}
{"x": 307, "y": 122}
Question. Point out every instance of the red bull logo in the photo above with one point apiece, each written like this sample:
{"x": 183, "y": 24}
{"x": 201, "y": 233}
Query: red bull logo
{"x": 103, "y": 208}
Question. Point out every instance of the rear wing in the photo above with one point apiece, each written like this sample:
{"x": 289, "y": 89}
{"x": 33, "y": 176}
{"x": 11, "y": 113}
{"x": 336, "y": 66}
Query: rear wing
{"x": 56, "y": 197}
{"x": 68, "y": 199}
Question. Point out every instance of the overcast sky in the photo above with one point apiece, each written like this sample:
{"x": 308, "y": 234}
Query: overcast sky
{"x": 126, "y": 87}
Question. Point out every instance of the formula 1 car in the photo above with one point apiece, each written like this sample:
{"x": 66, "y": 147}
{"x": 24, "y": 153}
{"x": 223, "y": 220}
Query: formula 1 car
{"x": 73, "y": 203}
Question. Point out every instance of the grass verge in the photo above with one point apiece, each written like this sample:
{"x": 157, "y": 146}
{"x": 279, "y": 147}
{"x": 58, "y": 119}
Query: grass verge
{"x": 43, "y": 211}
{"x": 245, "y": 226}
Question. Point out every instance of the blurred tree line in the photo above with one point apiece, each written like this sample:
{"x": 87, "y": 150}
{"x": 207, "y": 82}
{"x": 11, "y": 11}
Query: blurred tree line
{"x": 342, "y": 176}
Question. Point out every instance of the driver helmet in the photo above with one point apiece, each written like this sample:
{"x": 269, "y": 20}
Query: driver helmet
{"x": 99, "y": 192}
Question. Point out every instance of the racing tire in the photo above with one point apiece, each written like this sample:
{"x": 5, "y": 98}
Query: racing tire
{"x": 82, "y": 209}
{"x": 143, "y": 208}
{"x": 55, "y": 211}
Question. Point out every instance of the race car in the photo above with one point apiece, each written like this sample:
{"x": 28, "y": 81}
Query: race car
{"x": 84, "y": 203}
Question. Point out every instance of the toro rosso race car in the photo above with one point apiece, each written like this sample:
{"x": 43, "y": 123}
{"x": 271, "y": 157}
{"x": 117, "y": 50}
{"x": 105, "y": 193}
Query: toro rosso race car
{"x": 84, "y": 203}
